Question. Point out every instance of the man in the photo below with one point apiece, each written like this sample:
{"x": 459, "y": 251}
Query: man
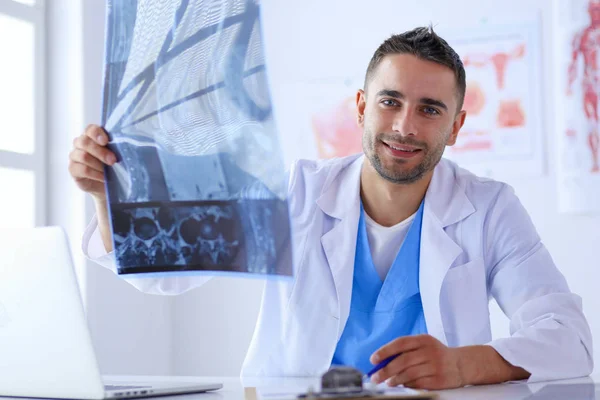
{"x": 397, "y": 252}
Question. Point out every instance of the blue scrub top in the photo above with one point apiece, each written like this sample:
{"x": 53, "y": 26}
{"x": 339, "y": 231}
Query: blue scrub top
{"x": 382, "y": 311}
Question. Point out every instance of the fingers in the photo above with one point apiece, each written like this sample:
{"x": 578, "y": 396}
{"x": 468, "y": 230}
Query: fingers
{"x": 100, "y": 152}
{"x": 413, "y": 374}
{"x": 82, "y": 157}
{"x": 397, "y": 346}
{"x": 429, "y": 383}
{"x": 97, "y": 134}
{"x": 87, "y": 159}
{"x": 433, "y": 382}
{"x": 81, "y": 171}
{"x": 400, "y": 364}
{"x": 91, "y": 143}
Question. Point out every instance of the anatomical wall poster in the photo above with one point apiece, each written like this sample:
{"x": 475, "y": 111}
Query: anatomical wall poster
{"x": 503, "y": 132}
{"x": 578, "y": 89}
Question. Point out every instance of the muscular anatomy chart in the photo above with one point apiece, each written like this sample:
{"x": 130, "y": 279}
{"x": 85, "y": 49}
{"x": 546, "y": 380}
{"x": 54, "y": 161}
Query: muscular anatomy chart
{"x": 577, "y": 105}
{"x": 585, "y": 70}
{"x": 198, "y": 185}
{"x": 501, "y": 135}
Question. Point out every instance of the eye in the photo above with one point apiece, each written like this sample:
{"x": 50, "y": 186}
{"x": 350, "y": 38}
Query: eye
{"x": 431, "y": 111}
{"x": 389, "y": 102}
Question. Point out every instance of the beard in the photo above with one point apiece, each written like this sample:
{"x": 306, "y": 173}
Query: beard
{"x": 398, "y": 173}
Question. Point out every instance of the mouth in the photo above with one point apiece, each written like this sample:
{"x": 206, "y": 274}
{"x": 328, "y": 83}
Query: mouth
{"x": 402, "y": 150}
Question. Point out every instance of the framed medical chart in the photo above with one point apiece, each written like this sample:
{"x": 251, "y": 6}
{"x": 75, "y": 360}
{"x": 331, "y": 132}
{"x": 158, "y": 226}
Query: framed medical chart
{"x": 577, "y": 93}
{"x": 503, "y": 131}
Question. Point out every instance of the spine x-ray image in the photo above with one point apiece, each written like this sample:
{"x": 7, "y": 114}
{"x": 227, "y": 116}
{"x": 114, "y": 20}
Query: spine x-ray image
{"x": 200, "y": 182}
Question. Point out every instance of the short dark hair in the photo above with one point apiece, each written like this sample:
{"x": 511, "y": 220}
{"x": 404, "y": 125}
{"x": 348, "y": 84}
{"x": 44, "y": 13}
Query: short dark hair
{"x": 425, "y": 44}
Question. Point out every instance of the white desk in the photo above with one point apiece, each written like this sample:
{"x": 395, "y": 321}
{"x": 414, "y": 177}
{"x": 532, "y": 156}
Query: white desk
{"x": 233, "y": 387}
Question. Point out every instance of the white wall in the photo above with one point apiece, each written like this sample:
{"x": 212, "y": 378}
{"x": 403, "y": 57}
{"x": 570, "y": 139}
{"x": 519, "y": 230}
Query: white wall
{"x": 212, "y": 326}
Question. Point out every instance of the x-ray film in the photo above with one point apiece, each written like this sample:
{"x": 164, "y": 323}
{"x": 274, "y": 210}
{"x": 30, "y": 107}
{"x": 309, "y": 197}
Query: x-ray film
{"x": 199, "y": 184}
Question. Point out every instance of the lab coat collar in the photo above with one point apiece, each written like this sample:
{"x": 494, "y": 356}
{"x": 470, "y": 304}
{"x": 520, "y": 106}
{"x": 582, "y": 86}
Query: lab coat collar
{"x": 444, "y": 197}
{"x": 341, "y": 191}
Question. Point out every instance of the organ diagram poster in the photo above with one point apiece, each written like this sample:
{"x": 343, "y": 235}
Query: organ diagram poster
{"x": 503, "y": 132}
{"x": 333, "y": 120}
{"x": 198, "y": 185}
{"x": 324, "y": 123}
{"x": 578, "y": 89}
{"x": 329, "y": 114}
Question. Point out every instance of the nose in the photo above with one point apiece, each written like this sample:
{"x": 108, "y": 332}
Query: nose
{"x": 404, "y": 122}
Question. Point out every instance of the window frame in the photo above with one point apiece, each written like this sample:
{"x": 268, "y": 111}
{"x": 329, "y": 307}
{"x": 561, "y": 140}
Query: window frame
{"x": 37, "y": 161}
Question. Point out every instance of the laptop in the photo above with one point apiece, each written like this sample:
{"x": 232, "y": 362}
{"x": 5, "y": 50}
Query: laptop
{"x": 45, "y": 344}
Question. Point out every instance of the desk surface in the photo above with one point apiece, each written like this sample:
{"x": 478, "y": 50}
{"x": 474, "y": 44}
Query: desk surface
{"x": 233, "y": 387}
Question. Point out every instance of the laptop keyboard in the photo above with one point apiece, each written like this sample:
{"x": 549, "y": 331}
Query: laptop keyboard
{"x": 124, "y": 387}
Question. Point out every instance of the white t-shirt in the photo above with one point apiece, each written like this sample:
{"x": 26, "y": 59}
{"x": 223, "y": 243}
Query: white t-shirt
{"x": 385, "y": 242}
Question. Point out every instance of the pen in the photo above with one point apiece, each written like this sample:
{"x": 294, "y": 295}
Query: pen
{"x": 381, "y": 365}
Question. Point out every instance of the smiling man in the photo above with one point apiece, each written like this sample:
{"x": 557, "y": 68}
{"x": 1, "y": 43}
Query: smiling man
{"x": 397, "y": 252}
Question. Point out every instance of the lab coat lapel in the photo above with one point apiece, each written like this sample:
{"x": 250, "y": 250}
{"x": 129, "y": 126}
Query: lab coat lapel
{"x": 445, "y": 204}
{"x": 341, "y": 201}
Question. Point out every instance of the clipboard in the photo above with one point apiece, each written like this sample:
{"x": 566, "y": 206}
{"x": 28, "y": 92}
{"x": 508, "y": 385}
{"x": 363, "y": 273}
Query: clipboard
{"x": 250, "y": 393}
{"x": 399, "y": 396}
{"x": 342, "y": 383}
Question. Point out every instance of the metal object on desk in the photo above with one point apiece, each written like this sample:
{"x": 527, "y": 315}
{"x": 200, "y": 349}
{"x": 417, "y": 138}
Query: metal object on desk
{"x": 341, "y": 382}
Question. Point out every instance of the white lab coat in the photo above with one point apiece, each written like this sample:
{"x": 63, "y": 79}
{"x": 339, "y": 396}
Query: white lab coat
{"x": 477, "y": 242}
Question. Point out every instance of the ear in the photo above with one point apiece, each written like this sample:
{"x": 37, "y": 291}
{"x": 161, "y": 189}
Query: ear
{"x": 458, "y": 123}
{"x": 361, "y": 103}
